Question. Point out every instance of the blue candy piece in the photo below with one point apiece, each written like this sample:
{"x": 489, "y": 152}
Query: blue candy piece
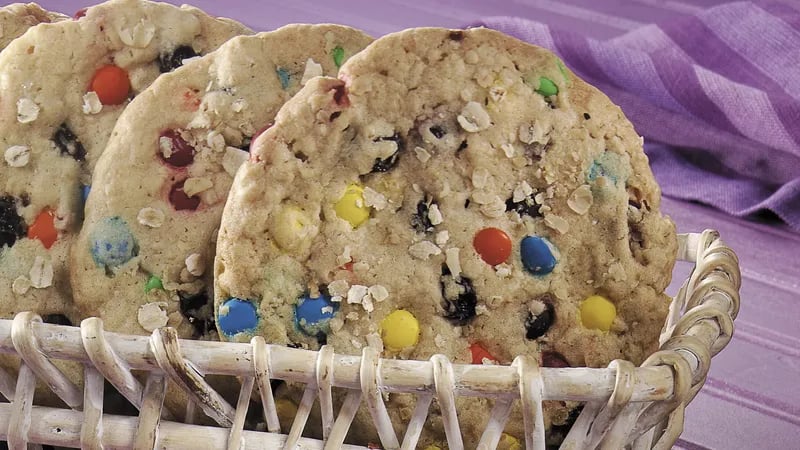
{"x": 607, "y": 165}
{"x": 237, "y": 316}
{"x": 85, "y": 192}
{"x": 312, "y": 315}
{"x": 537, "y": 255}
{"x": 111, "y": 243}
{"x": 283, "y": 75}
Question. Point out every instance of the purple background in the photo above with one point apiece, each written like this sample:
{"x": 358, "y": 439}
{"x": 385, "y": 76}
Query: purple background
{"x": 751, "y": 399}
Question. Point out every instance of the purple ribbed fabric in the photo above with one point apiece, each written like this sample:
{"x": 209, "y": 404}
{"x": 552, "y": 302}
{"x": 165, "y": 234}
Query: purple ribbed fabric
{"x": 716, "y": 96}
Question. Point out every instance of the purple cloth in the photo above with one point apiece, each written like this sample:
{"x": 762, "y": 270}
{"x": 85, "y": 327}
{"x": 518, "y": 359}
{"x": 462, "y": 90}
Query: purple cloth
{"x": 716, "y": 96}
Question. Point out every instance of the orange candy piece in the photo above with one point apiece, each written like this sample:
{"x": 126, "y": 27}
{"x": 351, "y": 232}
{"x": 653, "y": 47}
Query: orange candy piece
{"x": 43, "y": 229}
{"x": 480, "y": 354}
{"x": 493, "y": 245}
{"x": 111, "y": 84}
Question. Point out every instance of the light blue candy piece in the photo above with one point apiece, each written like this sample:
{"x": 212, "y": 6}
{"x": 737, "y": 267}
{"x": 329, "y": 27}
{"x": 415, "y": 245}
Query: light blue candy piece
{"x": 111, "y": 243}
{"x": 537, "y": 255}
{"x": 237, "y": 316}
{"x": 283, "y": 75}
{"x": 85, "y": 192}
{"x": 312, "y": 315}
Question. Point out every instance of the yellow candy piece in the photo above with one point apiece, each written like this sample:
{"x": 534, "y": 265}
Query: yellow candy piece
{"x": 597, "y": 313}
{"x": 351, "y": 206}
{"x": 508, "y": 442}
{"x": 399, "y": 330}
{"x": 285, "y": 408}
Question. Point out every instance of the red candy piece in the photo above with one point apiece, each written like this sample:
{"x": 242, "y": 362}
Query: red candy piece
{"x": 493, "y": 245}
{"x": 182, "y": 152}
{"x": 79, "y": 13}
{"x": 479, "y": 354}
{"x": 180, "y": 201}
{"x": 553, "y": 359}
{"x": 111, "y": 84}
{"x": 43, "y": 229}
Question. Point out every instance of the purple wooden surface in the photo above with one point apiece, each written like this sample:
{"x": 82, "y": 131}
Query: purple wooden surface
{"x": 751, "y": 399}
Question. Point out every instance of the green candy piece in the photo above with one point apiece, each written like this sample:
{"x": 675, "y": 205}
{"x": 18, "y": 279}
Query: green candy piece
{"x": 153, "y": 283}
{"x": 547, "y": 87}
{"x": 338, "y": 56}
{"x": 563, "y": 69}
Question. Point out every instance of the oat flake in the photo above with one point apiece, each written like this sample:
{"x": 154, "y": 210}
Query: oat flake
{"x": 27, "y": 110}
{"x": 150, "y": 217}
{"x": 581, "y": 199}
{"x": 21, "y": 285}
{"x": 41, "y": 273}
{"x": 195, "y": 264}
{"x": 424, "y": 250}
{"x": 474, "y": 118}
{"x": 18, "y": 155}
{"x": 91, "y": 103}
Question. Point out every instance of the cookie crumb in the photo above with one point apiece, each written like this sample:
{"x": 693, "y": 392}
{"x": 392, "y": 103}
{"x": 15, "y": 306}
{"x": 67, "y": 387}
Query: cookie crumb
{"x": 239, "y": 105}
{"x": 557, "y": 223}
{"x": 41, "y": 273}
{"x": 195, "y": 264}
{"x": 352, "y": 316}
{"x": 453, "y": 261}
{"x": 195, "y": 185}
{"x": 91, "y": 103}
{"x": 480, "y": 309}
{"x": 153, "y": 315}
{"x": 424, "y": 250}
{"x": 378, "y": 292}
{"x": 434, "y": 215}
{"x": 21, "y": 285}
{"x": 345, "y": 257}
{"x": 442, "y": 237}
{"x": 336, "y": 324}
{"x": 215, "y": 140}
{"x": 581, "y": 199}
{"x": 356, "y": 293}
{"x": 617, "y": 272}
{"x": 138, "y": 36}
{"x": 338, "y": 289}
{"x": 474, "y": 118}
{"x": 312, "y": 70}
{"x": 374, "y": 341}
{"x": 374, "y": 199}
{"x": 422, "y": 155}
{"x": 18, "y": 155}
{"x": 233, "y": 159}
{"x": 27, "y": 110}
{"x": 503, "y": 270}
{"x": 151, "y": 217}
{"x": 440, "y": 341}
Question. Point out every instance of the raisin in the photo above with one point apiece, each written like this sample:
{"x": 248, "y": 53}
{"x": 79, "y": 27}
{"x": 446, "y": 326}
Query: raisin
{"x": 68, "y": 143}
{"x": 525, "y": 207}
{"x": 197, "y": 308}
{"x": 12, "y": 227}
{"x": 586, "y": 116}
{"x": 167, "y": 62}
{"x": 181, "y": 153}
{"x": 553, "y": 359}
{"x": 180, "y": 201}
{"x": 536, "y": 327}
{"x": 420, "y": 220}
{"x": 57, "y": 319}
{"x": 437, "y": 131}
{"x": 383, "y": 165}
{"x": 459, "y": 297}
{"x": 340, "y": 96}
{"x": 462, "y": 146}
{"x": 456, "y": 35}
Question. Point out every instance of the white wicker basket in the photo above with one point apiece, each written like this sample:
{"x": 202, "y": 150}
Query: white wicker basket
{"x": 625, "y": 406}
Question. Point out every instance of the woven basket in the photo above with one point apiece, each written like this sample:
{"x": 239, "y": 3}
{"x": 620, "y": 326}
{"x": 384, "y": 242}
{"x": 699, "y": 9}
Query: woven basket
{"x": 625, "y": 406}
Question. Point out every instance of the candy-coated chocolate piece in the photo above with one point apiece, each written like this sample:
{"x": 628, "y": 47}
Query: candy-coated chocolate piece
{"x": 283, "y": 77}
{"x": 537, "y": 326}
{"x": 537, "y": 255}
{"x": 111, "y": 243}
{"x": 351, "y": 206}
{"x": 180, "y": 201}
{"x": 44, "y": 229}
{"x": 111, "y": 84}
{"x": 153, "y": 283}
{"x": 313, "y": 314}
{"x": 547, "y": 87}
{"x": 181, "y": 153}
{"x": 399, "y": 330}
{"x": 553, "y": 359}
{"x": 338, "y": 56}
{"x": 509, "y": 442}
{"x": 597, "y": 313}
{"x": 480, "y": 355}
{"x": 167, "y": 62}
{"x": 85, "y": 190}
{"x": 493, "y": 245}
{"x": 237, "y": 316}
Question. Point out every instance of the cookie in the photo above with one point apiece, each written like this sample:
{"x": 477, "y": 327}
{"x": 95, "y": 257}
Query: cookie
{"x": 16, "y": 18}
{"x": 167, "y": 169}
{"x": 456, "y": 192}
{"x": 63, "y": 87}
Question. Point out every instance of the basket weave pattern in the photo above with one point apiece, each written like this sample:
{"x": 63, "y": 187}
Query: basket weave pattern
{"x": 640, "y": 407}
